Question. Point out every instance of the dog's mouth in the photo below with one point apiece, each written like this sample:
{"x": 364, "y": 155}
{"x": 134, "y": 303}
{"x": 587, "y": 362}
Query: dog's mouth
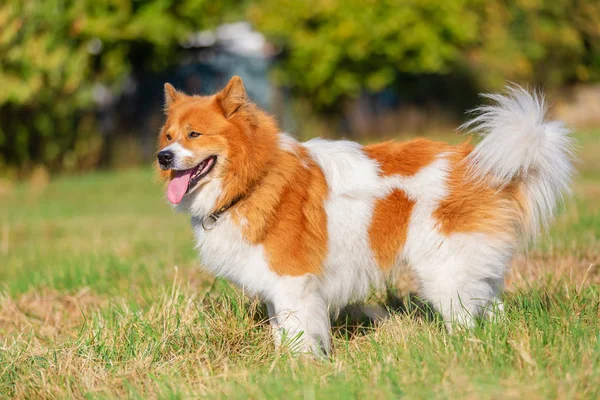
{"x": 186, "y": 180}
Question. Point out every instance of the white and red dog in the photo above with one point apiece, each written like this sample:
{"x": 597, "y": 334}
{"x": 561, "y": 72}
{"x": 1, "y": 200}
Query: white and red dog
{"x": 310, "y": 227}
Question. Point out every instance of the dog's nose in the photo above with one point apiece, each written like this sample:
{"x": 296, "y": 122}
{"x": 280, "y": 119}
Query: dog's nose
{"x": 165, "y": 158}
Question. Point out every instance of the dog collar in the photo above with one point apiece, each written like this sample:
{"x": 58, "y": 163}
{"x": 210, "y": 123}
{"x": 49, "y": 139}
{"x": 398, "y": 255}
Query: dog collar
{"x": 210, "y": 221}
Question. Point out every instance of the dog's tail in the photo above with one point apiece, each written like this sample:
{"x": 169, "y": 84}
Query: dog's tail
{"x": 519, "y": 144}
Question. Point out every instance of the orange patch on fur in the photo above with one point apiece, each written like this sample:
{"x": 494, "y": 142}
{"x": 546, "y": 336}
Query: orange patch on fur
{"x": 285, "y": 213}
{"x": 389, "y": 227}
{"x": 475, "y": 205}
{"x": 406, "y": 158}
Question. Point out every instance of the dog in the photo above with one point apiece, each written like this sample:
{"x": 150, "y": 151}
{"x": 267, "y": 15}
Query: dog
{"x": 311, "y": 227}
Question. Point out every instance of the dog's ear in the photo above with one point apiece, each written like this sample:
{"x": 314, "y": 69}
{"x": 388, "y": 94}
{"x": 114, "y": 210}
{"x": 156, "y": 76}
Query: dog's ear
{"x": 233, "y": 97}
{"x": 171, "y": 95}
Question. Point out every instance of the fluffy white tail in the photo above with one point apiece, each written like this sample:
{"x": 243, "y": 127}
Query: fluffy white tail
{"x": 518, "y": 143}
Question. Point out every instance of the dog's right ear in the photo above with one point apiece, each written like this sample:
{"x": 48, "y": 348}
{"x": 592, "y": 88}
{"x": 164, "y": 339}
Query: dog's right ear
{"x": 171, "y": 95}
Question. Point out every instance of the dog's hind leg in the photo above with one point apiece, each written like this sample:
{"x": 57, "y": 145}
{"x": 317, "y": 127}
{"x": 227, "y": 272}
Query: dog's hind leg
{"x": 463, "y": 280}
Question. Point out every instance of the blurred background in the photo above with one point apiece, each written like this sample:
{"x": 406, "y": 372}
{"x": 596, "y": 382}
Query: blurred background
{"x": 78, "y": 77}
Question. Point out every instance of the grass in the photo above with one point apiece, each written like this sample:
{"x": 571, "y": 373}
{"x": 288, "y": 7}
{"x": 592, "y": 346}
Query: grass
{"x": 101, "y": 296}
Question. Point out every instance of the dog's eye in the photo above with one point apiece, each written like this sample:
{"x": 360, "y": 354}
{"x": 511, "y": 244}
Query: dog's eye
{"x": 195, "y": 134}
{"x": 169, "y": 137}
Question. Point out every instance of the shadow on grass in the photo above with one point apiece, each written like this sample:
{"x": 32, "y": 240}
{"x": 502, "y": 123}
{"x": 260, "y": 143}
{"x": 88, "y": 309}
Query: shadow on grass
{"x": 361, "y": 319}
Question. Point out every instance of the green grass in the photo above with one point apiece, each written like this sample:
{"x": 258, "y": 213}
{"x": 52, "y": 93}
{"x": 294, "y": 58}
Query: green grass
{"x": 101, "y": 295}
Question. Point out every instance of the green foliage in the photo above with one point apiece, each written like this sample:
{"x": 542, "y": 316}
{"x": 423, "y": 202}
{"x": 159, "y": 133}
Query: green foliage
{"x": 57, "y": 56}
{"x": 545, "y": 42}
{"x": 336, "y": 48}
{"x": 55, "y": 53}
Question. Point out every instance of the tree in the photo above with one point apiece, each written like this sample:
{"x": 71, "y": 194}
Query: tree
{"x": 546, "y": 42}
{"x": 60, "y": 57}
{"x": 333, "y": 50}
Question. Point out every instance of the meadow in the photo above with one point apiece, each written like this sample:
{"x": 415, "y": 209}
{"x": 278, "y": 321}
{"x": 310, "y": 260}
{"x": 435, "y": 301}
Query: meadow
{"x": 102, "y": 296}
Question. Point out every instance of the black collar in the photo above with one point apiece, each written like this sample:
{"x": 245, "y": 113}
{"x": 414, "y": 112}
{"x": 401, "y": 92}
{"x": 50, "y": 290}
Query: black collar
{"x": 210, "y": 220}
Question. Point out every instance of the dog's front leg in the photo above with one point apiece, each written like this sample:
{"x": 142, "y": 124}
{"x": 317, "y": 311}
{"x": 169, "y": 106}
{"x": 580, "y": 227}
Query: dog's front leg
{"x": 299, "y": 316}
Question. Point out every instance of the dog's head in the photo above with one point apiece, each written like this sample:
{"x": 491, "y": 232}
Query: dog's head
{"x": 208, "y": 138}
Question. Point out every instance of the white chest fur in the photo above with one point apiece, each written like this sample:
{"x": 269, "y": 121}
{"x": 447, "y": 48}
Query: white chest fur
{"x": 226, "y": 254}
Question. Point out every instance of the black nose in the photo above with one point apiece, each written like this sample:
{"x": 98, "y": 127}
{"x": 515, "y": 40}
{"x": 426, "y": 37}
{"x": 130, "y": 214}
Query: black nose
{"x": 165, "y": 158}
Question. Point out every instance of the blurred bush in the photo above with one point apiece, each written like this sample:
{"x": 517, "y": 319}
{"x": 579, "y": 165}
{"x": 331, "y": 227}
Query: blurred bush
{"x": 335, "y": 49}
{"x": 61, "y": 58}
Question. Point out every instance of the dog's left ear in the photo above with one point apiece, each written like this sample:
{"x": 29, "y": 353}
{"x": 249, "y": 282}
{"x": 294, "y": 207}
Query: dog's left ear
{"x": 233, "y": 97}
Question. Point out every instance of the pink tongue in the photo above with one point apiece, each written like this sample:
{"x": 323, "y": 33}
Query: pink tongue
{"x": 178, "y": 186}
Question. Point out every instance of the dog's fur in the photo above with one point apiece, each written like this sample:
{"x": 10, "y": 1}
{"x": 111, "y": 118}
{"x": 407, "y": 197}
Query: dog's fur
{"x": 310, "y": 227}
